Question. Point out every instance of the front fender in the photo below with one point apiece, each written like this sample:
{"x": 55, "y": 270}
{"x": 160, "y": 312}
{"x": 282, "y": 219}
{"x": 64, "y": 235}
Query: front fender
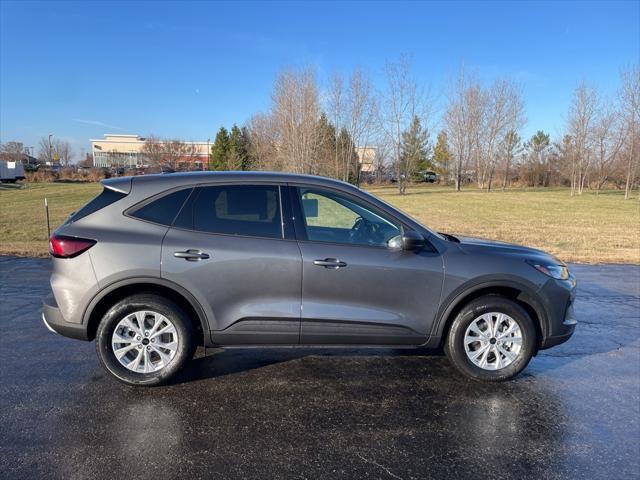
{"x": 460, "y": 295}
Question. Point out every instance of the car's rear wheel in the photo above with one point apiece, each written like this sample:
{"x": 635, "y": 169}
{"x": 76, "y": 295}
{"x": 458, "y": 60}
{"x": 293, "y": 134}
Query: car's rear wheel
{"x": 492, "y": 339}
{"x": 144, "y": 340}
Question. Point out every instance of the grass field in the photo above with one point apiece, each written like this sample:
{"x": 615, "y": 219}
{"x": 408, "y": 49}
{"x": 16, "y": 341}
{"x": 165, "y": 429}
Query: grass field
{"x": 589, "y": 228}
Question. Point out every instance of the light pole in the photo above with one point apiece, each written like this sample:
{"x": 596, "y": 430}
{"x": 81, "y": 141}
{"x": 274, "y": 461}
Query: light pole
{"x": 50, "y": 157}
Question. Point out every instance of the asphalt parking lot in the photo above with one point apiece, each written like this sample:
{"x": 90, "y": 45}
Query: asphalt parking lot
{"x": 310, "y": 413}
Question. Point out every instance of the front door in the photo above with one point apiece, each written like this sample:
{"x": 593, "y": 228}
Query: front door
{"x": 358, "y": 286}
{"x": 230, "y": 248}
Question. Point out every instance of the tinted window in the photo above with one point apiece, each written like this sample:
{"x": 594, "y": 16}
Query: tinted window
{"x": 252, "y": 210}
{"x": 107, "y": 197}
{"x": 164, "y": 209}
{"x": 330, "y": 217}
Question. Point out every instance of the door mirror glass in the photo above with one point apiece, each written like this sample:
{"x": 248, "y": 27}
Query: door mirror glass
{"x": 412, "y": 241}
{"x": 395, "y": 243}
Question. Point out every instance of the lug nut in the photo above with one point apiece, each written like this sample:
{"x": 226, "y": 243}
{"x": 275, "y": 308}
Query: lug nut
{"x": 148, "y": 347}
{"x": 139, "y": 346}
{"x": 138, "y": 338}
{"x": 153, "y": 340}
{"x": 146, "y": 334}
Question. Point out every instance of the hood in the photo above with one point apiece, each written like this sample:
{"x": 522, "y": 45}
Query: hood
{"x": 474, "y": 245}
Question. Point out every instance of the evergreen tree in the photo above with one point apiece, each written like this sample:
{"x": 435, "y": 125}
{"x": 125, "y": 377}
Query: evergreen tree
{"x": 414, "y": 152}
{"x": 248, "y": 162}
{"x": 328, "y": 161}
{"x": 218, "y": 159}
{"x": 442, "y": 157}
{"x": 238, "y": 153}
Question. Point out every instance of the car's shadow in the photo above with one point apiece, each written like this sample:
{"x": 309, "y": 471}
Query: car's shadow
{"x": 222, "y": 362}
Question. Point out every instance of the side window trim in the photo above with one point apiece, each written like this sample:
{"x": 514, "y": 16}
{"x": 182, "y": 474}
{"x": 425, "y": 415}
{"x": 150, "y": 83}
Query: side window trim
{"x": 300, "y": 222}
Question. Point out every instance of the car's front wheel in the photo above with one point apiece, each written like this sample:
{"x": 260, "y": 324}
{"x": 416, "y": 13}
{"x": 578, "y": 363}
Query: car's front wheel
{"x": 144, "y": 340}
{"x": 492, "y": 339}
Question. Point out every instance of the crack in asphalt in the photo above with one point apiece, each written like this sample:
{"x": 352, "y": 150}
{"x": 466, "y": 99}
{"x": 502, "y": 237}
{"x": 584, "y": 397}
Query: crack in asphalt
{"x": 378, "y": 465}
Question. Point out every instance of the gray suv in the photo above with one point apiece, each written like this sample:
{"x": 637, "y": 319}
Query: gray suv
{"x": 156, "y": 265}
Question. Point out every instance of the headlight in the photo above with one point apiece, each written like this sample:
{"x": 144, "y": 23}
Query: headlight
{"x": 559, "y": 272}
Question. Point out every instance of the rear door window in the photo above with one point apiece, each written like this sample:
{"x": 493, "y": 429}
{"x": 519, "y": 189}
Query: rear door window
{"x": 248, "y": 210}
{"x": 164, "y": 209}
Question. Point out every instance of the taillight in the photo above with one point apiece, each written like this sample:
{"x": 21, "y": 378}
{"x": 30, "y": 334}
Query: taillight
{"x": 61, "y": 246}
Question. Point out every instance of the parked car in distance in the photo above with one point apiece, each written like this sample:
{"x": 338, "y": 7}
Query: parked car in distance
{"x": 429, "y": 177}
{"x": 158, "y": 264}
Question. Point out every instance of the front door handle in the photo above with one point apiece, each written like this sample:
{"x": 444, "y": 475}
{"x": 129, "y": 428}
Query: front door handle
{"x": 191, "y": 255}
{"x": 332, "y": 263}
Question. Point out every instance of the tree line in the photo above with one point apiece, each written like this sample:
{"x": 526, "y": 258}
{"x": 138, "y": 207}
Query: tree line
{"x": 470, "y": 136}
{"x": 478, "y": 135}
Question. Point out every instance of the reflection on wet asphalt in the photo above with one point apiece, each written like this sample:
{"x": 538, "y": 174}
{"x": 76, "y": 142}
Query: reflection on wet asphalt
{"x": 301, "y": 413}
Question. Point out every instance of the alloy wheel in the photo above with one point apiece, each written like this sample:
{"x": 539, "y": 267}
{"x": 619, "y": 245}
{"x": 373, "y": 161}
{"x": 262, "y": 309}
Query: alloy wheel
{"x": 493, "y": 341}
{"x": 144, "y": 341}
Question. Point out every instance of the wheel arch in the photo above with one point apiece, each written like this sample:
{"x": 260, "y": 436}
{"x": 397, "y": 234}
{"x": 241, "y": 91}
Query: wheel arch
{"x": 116, "y": 291}
{"x": 522, "y": 294}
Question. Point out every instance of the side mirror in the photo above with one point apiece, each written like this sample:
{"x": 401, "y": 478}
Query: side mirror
{"x": 412, "y": 241}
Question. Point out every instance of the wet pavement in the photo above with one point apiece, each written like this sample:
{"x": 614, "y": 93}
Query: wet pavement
{"x": 310, "y": 413}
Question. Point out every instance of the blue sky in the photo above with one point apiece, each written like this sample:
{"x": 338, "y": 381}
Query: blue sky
{"x": 183, "y": 69}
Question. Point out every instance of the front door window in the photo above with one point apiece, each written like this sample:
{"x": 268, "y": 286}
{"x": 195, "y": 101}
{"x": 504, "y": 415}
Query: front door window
{"x": 334, "y": 218}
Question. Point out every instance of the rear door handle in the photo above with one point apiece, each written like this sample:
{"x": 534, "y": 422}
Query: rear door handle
{"x": 191, "y": 255}
{"x": 332, "y": 263}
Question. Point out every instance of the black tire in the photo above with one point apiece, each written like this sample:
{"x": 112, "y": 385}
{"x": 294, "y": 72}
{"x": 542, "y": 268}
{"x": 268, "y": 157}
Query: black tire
{"x": 154, "y": 303}
{"x": 454, "y": 343}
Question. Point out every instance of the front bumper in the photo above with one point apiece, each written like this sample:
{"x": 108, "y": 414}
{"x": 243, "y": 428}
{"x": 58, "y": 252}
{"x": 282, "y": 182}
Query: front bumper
{"x": 54, "y": 321}
{"x": 566, "y": 328}
{"x": 560, "y": 296}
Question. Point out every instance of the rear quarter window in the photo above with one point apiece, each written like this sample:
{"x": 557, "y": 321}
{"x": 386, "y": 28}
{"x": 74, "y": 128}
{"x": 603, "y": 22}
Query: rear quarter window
{"x": 104, "y": 199}
{"x": 162, "y": 210}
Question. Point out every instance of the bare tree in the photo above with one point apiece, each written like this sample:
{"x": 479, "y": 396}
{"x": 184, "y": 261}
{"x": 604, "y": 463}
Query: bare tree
{"x": 352, "y": 110}
{"x": 401, "y": 102}
{"x": 582, "y": 114}
{"x": 510, "y": 147}
{"x": 63, "y": 152}
{"x": 45, "y": 150}
{"x": 609, "y": 138}
{"x": 262, "y": 144}
{"x": 169, "y": 154}
{"x": 630, "y": 106}
{"x": 336, "y": 106}
{"x": 463, "y": 123}
{"x": 176, "y": 153}
{"x": 504, "y": 113}
{"x": 383, "y": 152}
{"x": 295, "y": 112}
{"x": 12, "y": 151}
{"x": 361, "y": 113}
{"x": 153, "y": 151}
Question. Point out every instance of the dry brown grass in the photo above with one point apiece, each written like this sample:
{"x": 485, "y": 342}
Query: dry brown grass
{"x": 589, "y": 228}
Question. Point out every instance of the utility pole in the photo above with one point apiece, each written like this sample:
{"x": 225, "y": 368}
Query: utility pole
{"x": 50, "y": 156}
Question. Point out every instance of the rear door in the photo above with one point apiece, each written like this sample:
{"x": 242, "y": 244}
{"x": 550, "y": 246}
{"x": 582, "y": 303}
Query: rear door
{"x": 358, "y": 287}
{"x": 231, "y": 247}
